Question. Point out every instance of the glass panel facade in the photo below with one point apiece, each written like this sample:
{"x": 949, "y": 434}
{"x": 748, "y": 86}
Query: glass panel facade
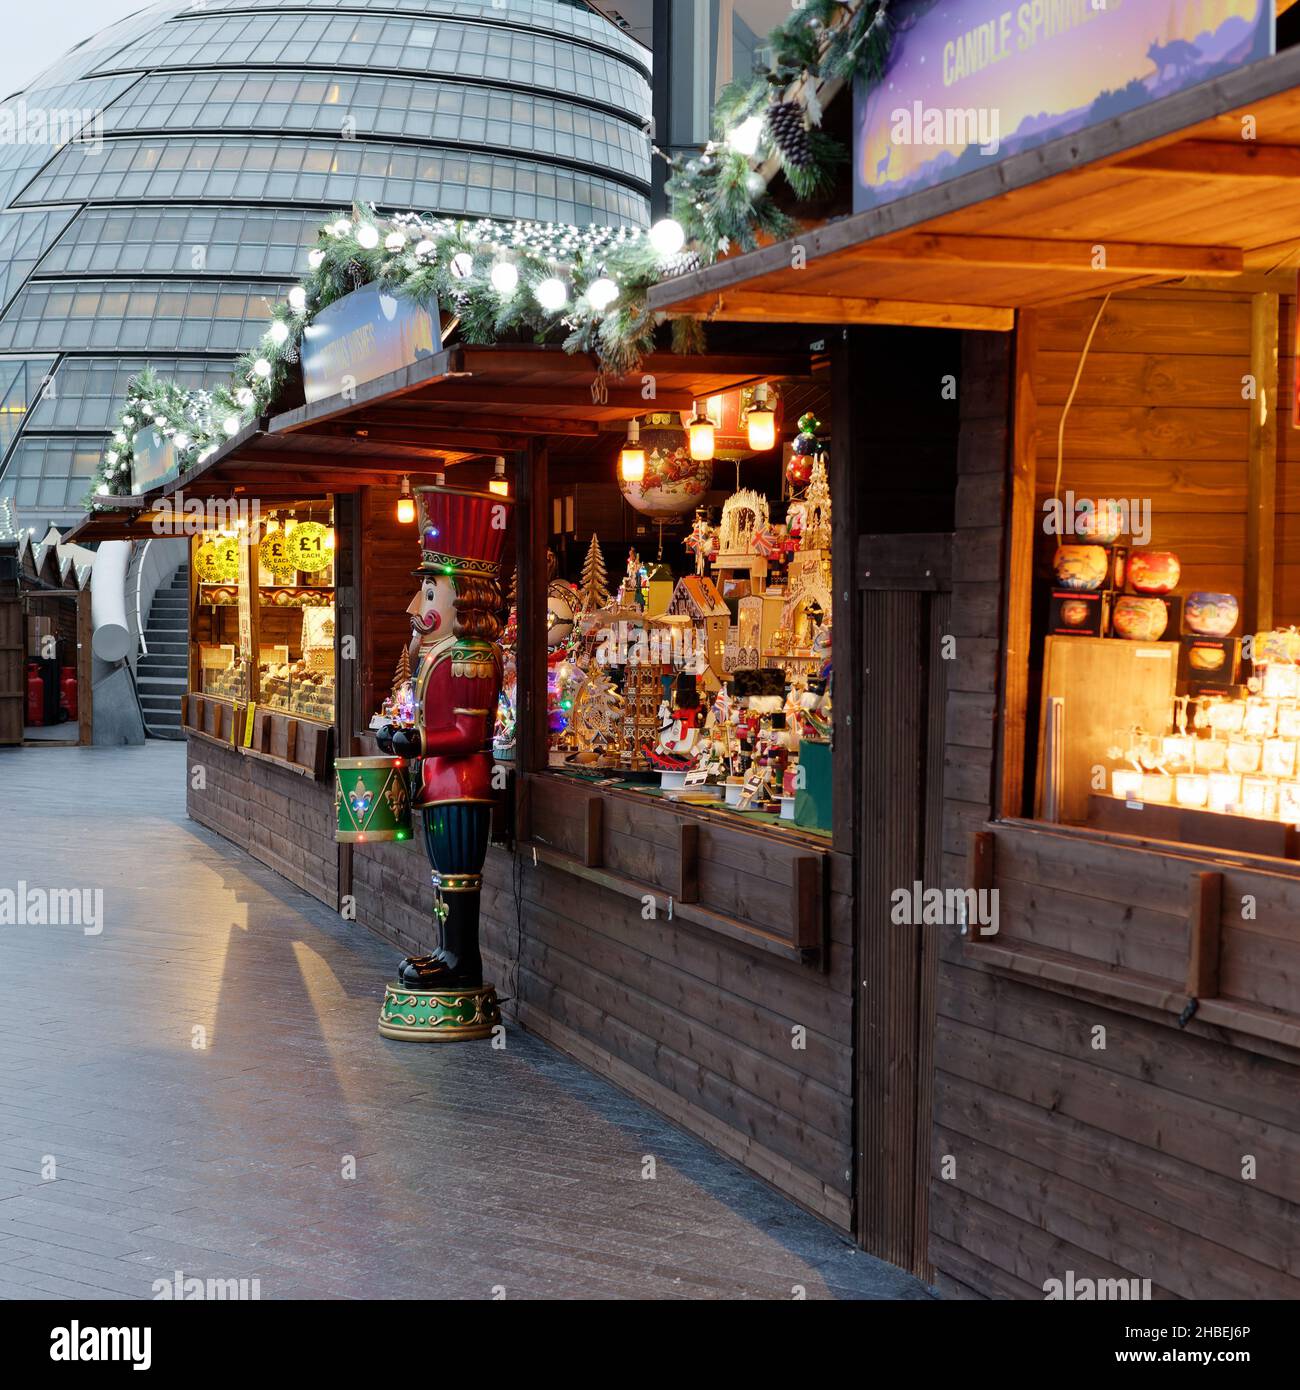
{"x": 157, "y": 315}
{"x": 561, "y": 17}
{"x": 336, "y": 173}
{"x": 87, "y": 392}
{"x": 446, "y": 48}
{"x": 711, "y": 42}
{"x": 184, "y": 241}
{"x": 24, "y": 238}
{"x": 330, "y": 103}
{"x": 21, "y": 379}
{"x": 50, "y": 474}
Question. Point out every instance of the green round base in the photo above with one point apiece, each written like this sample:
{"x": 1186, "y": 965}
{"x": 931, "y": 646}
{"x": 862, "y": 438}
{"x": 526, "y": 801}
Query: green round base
{"x": 439, "y": 1015}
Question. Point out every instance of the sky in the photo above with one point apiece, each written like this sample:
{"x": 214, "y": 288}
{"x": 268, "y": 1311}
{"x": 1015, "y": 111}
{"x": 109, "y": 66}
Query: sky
{"x": 32, "y": 41}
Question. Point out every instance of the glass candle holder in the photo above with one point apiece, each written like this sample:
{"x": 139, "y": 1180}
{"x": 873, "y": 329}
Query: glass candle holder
{"x": 1209, "y": 755}
{"x": 1244, "y": 754}
{"x": 1281, "y": 682}
{"x": 1288, "y": 721}
{"x": 1261, "y": 718}
{"x": 1288, "y": 802}
{"x": 1225, "y": 791}
{"x": 1126, "y": 783}
{"x": 1157, "y": 788}
{"x": 1177, "y": 750}
{"x": 1226, "y": 716}
{"x": 1192, "y": 789}
{"x": 1279, "y": 757}
{"x": 1258, "y": 798}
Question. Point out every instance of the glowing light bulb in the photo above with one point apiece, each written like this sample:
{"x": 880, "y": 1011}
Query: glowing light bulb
{"x": 278, "y": 332}
{"x": 262, "y": 368}
{"x": 111, "y": 456}
{"x": 462, "y": 265}
{"x": 601, "y": 293}
{"x": 232, "y": 425}
{"x": 298, "y": 299}
{"x": 699, "y": 430}
{"x": 342, "y": 227}
{"x": 631, "y": 458}
{"x": 182, "y": 440}
{"x": 760, "y": 423}
{"x": 315, "y": 259}
{"x": 667, "y": 237}
{"x": 424, "y": 247}
{"x": 394, "y": 242}
{"x": 552, "y": 294}
{"x": 744, "y": 138}
{"x": 368, "y": 237}
{"x": 505, "y": 277}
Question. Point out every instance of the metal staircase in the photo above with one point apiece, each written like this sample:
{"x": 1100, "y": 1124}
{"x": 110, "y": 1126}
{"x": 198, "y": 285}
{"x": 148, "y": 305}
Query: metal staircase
{"x": 162, "y": 675}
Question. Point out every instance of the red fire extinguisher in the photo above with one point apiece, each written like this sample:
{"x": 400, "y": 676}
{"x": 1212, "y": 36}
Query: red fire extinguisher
{"x": 35, "y": 694}
{"x": 68, "y": 693}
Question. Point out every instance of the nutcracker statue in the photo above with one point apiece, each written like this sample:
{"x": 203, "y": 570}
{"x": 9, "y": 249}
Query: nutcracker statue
{"x": 457, "y": 672}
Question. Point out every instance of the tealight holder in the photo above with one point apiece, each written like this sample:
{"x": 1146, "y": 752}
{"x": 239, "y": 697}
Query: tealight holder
{"x": 1158, "y": 788}
{"x": 1279, "y": 757}
{"x": 1126, "y": 783}
{"x": 1243, "y": 754}
{"x": 1225, "y": 791}
{"x": 1224, "y": 716}
{"x": 1261, "y": 718}
{"x": 1281, "y": 682}
{"x": 1258, "y": 797}
{"x": 1176, "y": 750}
{"x": 1288, "y": 802}
{"x": 1288, "y": 721}
{"x": 1209, "y": 755}
{"x": 1192, "y": 789}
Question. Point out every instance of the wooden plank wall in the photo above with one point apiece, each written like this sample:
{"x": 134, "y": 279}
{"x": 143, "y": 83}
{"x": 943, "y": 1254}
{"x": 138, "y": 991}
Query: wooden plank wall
{"x": 1160, "y": 415}
{"x": 284, "y": 820}
{"x": 1051, "y": 1152}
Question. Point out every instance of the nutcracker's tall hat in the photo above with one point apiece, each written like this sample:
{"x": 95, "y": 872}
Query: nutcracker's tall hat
{"x": 461, "y": 532}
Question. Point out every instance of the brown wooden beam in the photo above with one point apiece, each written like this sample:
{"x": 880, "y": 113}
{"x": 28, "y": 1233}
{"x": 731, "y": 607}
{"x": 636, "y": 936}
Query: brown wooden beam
{"x": 467, "y": 391}
{"x": 1218, "y": 159}
{"x": 1053, "y": 253}
{"x": 418, "y": 416}
{"x": 746, "y": 306}
{"x": 1261, "y": 465}
{"x": 1205, "y": 925}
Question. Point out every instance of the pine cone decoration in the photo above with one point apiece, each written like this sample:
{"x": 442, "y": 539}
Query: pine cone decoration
{"x": 785, "y": 123}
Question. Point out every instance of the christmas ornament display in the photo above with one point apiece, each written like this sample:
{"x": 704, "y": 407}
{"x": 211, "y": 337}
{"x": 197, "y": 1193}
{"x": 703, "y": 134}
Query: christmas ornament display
{"x": 673, "y": 481}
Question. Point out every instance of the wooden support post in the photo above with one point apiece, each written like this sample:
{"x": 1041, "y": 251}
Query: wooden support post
{"x": 809, "y": 924}
{"x": 1204, "y": 936}
{"x": 1261, "y": 465}
{"x": 688, "y": 862}
{"x": 593, "y": 846}
{"x": 1021, "y": 534}
{"x": 532, "y": 530}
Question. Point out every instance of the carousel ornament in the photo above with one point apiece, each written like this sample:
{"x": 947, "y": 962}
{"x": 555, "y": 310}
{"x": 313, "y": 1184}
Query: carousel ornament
{"x": 458, "y": 673}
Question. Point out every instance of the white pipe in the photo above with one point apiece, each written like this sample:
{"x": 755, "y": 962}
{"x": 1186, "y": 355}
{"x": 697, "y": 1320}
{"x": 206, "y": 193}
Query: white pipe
{"x": 139, "y": 619}
{"x": 111, "y": 637}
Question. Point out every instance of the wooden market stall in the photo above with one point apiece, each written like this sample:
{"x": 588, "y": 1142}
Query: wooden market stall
{"x": 1111, "y": 1084}
{"x": 698, "y": 955}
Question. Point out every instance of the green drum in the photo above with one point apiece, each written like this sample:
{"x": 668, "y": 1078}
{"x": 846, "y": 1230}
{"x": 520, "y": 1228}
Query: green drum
{"x": 372, "y": 797}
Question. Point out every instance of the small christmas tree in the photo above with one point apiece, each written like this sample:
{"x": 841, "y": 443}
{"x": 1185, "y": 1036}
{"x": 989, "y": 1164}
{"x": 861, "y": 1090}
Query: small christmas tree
{"x": 595, "y": 582}
{"x": 402, "y": 675}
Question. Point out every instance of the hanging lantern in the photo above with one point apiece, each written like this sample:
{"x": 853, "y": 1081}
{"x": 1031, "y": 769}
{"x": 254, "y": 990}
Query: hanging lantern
{"x": 671, "y": 481}
{"x": 406, "y": 503}
{"x": 700, "y": 431}
{"x": 497, "y": 483}
{"x": 631, "y": 458}
{"x": 760, "y": 421}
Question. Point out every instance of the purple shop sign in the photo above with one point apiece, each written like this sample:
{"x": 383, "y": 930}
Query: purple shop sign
{"x": 975, "y": 82}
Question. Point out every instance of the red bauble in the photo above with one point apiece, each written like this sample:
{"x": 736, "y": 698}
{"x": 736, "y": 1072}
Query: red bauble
{"x": 799, "y": 470}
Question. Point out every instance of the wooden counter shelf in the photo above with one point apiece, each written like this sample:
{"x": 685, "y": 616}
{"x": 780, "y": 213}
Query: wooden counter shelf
{"x": 293, "y": 742}
{"x": 764, "y": 887}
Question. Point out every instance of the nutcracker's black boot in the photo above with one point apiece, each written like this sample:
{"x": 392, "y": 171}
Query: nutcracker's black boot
{"x": 457, "y": 963}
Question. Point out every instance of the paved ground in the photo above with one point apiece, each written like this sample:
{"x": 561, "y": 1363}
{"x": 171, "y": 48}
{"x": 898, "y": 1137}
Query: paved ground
{"x": 476, "y": 1170}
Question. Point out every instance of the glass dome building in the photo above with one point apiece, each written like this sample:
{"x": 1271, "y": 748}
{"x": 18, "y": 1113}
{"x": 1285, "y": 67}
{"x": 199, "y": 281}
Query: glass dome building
{"x": 159, "y": 183}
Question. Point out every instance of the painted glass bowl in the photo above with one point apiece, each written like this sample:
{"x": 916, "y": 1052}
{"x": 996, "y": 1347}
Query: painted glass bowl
{"x": 1140, "y": 619}
{"x": 1210, "y": 615}
{"x": 1080, "y": 567}
{"x": 1075, "y": 612}
{"x": 1154, "y": 571}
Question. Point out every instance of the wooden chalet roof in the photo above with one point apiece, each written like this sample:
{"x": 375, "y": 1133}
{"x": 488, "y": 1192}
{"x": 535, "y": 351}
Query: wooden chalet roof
{"x": 1170, "y": 191}
{"x": 460, "y": 403}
